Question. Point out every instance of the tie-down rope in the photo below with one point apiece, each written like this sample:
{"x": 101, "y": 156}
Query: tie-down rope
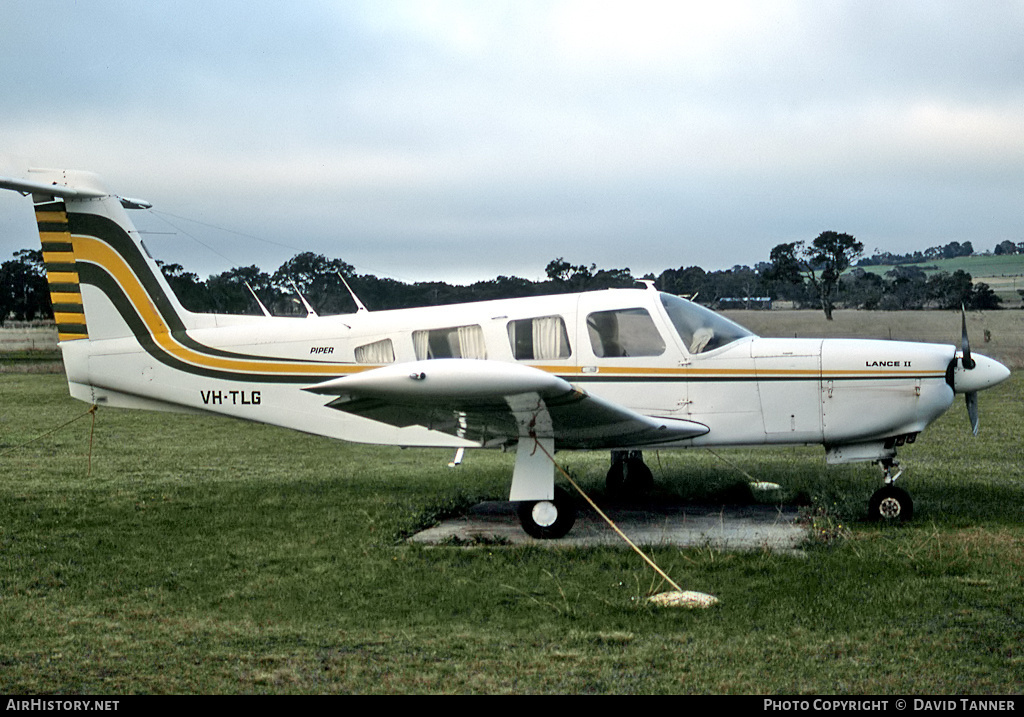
{"x": 92, "y": 431}
{"x": 685, "y": 598}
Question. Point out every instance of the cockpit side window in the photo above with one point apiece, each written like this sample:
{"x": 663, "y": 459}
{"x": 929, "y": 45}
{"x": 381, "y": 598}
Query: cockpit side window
{"x": 542, "y": 338}
{"x": 701, "y": 329}
{"x": 624, "y": 332}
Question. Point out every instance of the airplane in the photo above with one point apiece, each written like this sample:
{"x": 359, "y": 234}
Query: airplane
{"x": 623, "y": 370}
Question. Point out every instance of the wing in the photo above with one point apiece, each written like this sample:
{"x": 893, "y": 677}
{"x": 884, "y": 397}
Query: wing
{"x": 495, "y": 403}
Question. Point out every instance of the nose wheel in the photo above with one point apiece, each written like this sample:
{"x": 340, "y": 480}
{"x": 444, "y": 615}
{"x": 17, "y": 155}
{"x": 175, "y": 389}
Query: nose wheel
{"x": 889, "y": 503}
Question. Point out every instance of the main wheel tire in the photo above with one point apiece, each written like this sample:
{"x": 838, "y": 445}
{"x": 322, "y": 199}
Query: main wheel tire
{"x": 548, "y": 519}
{"x": 629, "y": 477}
{"x": 891, "y": 504}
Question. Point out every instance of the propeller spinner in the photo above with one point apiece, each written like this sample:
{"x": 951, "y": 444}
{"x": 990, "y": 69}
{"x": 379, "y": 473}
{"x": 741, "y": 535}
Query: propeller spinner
{"x": 971, "y": 374}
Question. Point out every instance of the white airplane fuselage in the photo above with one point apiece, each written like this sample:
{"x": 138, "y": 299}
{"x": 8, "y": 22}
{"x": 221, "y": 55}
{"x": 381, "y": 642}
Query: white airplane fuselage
{"x": 752, "y": 391}
{"x": 621, "y": 369}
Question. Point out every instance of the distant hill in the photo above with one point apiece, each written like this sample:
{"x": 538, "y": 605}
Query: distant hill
{"x": 1004, "y": 273}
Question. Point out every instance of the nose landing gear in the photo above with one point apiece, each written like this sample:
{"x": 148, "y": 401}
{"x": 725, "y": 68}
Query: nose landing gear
{"x": 890, "y": 503}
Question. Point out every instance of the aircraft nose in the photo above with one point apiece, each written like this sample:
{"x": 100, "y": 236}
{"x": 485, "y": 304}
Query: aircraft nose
{"x": 986, "y": 373}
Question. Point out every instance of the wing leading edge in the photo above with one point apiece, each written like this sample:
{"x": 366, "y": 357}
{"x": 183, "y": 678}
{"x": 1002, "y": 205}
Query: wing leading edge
{"x": 494, "y": 403}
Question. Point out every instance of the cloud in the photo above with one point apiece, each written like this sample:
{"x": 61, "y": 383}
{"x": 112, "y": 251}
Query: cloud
{"x": 461, "y": 140}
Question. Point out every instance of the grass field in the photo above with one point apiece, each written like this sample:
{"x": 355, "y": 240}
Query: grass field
{"x": 203, "y": 555}
{"x": 999, "y": 334}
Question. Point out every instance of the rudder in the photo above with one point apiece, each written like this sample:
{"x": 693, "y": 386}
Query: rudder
{"x": 61, "y": 270}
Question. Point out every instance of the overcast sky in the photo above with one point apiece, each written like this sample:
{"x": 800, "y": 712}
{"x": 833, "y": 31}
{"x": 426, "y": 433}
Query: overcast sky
{"x": 465, "y": 140}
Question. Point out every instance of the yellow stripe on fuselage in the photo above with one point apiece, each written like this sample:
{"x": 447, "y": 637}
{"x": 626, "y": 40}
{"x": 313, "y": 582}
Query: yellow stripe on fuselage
{"x": 684, "y": 373}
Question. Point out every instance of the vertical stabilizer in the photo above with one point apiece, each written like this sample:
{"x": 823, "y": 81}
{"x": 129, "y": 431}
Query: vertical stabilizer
{"x": 103, "y": 283}
{"x": 109, "y": 296}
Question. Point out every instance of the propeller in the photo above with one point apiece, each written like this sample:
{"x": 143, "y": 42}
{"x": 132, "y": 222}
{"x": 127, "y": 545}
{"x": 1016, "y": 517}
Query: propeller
{"x": 972, "y": 410}
{"x": 969, "y": 374}
{"x": 968, "y": 363}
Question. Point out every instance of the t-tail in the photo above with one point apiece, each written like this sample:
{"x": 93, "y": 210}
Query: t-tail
{"x": 103, "y": 283}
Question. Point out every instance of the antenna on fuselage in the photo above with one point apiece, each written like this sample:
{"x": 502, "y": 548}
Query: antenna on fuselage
{"x": 310, "y": 312}
{"x": 262, "y": 307}
{"x": 359, "y": 304}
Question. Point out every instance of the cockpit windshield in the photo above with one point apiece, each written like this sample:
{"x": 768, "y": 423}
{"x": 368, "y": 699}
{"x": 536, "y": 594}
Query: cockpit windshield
{"x": 701, "y": 329}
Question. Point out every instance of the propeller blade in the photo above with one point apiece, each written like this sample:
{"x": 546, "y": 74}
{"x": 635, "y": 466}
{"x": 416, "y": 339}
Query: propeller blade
{"x": 972, "y": 409}
{"x": 967, "y": 362}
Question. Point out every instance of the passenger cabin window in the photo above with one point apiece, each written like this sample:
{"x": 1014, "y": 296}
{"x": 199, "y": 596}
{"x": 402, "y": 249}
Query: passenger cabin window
{"x": 701, "y": 329}
{"x": 626, "y": 332}
{"x": 456, "y": 342}
{"x": 378, "y": 352}
{"x": 543, "y": 338}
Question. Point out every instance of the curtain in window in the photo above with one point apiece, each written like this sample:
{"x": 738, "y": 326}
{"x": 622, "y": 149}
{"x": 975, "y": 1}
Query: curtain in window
{"x": 549, "y": 338}
{"x": 471, "y": 342}
{"x": 456, "y": 342}
{"x": 421, "y": 343}
{"x": 377, "y": 352}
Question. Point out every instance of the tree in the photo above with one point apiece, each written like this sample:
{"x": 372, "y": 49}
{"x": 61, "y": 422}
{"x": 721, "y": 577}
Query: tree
{"x": 822, "y": 264}
{"x": 908, "y": 289}
{"x": 955, "y": 249}
{"x": 567, "y": 277}
{"x": 950, "y": 291}
{"x": 863, "y": 289}
{"x": 684, "y": 281}
{"x": 24, "y": 294}
{"x": 229, "y": 293}
{"x": 1005, "y": 247}
{"x": 191, "y": 292}
{"x": 983, "y": 297}
{"x": 317, "y": 278}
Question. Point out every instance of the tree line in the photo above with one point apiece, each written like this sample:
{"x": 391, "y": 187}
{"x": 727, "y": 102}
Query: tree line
{"x": 819, "y": 274}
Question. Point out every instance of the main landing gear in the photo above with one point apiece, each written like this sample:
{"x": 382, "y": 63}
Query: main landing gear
{"x": 629, "y": 475}
{"x": 547, "y": 519}
{"x": 890, "y": 503}
{"x": 550, "y": 519}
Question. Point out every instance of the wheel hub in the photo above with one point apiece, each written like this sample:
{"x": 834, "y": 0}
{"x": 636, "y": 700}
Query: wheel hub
{"x": 544, "y": 513}
{"x": 890, "y": 508}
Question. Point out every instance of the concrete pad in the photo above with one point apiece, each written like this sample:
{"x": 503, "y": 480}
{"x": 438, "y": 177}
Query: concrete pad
{"x": 751, "y": 527}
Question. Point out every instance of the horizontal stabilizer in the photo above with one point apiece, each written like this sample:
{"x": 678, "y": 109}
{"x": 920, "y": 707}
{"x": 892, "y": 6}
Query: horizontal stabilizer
{"x": 66, "y": 191}
{"x": 53, "y": 189}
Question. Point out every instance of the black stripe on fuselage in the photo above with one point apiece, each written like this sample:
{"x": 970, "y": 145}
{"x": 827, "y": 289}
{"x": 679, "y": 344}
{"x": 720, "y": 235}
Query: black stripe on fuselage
{"x": 747, "y": 378}
{"x": 96, "y": 276}
{"x": 114, "y": 236}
